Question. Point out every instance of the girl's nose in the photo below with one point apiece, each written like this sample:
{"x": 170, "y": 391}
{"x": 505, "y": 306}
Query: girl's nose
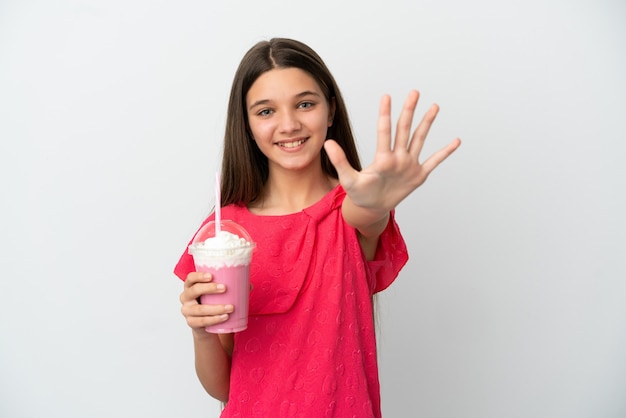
{"x": 289, "y": 122}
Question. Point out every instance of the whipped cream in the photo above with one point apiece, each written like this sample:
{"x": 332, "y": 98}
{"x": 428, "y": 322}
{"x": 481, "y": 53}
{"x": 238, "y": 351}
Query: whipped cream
{"x": 223, "y": 250}
{"x": 224, "y": 239}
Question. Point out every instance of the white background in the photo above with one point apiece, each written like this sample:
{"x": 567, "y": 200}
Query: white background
{"x": 111, "y": 121}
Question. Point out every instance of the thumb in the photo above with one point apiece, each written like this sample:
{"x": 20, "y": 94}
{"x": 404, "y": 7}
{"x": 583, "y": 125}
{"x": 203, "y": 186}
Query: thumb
{"x": 338, "y": 158}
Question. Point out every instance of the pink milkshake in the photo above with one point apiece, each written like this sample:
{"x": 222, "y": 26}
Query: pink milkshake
{"x": 226, "y": 254}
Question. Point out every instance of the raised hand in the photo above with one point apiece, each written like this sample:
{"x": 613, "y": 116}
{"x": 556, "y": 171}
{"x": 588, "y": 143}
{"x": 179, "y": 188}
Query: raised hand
{"x": 396, "y": 170}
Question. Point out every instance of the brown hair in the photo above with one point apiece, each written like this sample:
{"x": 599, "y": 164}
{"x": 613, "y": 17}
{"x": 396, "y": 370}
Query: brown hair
{"x": 244, "y": 167}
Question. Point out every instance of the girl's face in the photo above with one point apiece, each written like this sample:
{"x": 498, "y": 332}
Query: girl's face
{"x": 289, "y": 117}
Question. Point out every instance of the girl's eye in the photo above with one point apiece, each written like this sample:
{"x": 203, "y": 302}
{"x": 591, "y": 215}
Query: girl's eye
{"x": 265, "y": 112}
{"x": 305, "y": 105}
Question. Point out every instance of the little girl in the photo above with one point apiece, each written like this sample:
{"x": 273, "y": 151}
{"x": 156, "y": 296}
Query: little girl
{"x": 326, "y": 237}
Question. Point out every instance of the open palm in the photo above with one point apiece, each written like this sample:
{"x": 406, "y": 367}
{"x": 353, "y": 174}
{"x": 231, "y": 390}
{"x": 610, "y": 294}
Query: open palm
{"x": 396, "y": 170}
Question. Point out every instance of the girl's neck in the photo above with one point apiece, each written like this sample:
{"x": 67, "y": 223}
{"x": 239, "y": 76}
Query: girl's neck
{"x": 290, "y": 192}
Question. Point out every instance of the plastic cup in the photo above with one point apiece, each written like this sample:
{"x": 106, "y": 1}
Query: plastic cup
{"x": 227, "y": 258}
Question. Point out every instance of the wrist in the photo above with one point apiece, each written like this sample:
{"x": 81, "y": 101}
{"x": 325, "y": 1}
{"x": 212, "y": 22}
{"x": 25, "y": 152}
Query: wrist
{"x": 368, "y": 221}
{"x": 200, "y": 335}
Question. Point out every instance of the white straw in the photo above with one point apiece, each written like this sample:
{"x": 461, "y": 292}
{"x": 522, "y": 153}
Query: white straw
{"x": 218, "y": 203}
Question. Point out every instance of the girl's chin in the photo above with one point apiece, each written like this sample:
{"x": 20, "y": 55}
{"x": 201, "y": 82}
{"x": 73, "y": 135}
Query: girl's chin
{"x": 294, "y": 165}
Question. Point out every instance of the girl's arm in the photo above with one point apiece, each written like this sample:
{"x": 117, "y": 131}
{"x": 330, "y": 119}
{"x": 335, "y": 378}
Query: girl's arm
{"x": 395, "y": 173}
{"x": 369, "y": 224}
{"x": 212, "y": 351}
{"x": 213, "y": 362}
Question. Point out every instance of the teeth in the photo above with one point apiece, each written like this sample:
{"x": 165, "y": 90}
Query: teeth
{"x": 292, "y": 144}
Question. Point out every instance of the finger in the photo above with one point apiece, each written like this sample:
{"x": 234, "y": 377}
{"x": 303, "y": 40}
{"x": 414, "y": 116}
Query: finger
{"x": 403, "y": 128}
{"x": 337, "y": 157}
{"x": 190, "y": 288}
{"x": 200, "y": 316}
{"x": 195, "y": 321}
{"x": 207, "y": 310}
{"x": 197, "y": 277}
{"x": 191, "y": 294}
{"x": 438, "y": 157}
{"x": 206, "y": 321}
{"x": 384, "y": 125}
{"x": 419, "y": 136}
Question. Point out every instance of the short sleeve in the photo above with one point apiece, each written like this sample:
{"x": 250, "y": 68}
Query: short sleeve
{"x": 391, "y": 256}
{"x": 185, "y": 264}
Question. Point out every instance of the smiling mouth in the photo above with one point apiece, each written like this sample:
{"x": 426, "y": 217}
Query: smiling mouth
{"x": 291, "y": 144}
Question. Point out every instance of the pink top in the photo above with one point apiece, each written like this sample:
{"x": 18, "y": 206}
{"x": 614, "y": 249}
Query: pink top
{"x": 310, "y": 347}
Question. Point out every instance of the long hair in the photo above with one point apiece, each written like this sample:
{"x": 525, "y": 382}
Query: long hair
{"x": 244, "y": 167}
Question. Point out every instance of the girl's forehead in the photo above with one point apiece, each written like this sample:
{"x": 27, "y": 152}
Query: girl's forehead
{"x": 282, "y": 83}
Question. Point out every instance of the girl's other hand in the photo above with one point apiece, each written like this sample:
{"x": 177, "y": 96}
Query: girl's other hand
{"x": 199, "y": 316}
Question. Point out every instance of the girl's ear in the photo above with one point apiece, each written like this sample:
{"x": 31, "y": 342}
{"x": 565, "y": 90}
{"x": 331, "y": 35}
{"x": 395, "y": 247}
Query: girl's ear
{"x": 331, "y": 111}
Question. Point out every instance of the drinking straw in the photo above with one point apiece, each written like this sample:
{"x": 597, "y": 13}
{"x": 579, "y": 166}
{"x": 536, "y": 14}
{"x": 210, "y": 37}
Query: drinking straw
{"x": 218, "y": 203}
